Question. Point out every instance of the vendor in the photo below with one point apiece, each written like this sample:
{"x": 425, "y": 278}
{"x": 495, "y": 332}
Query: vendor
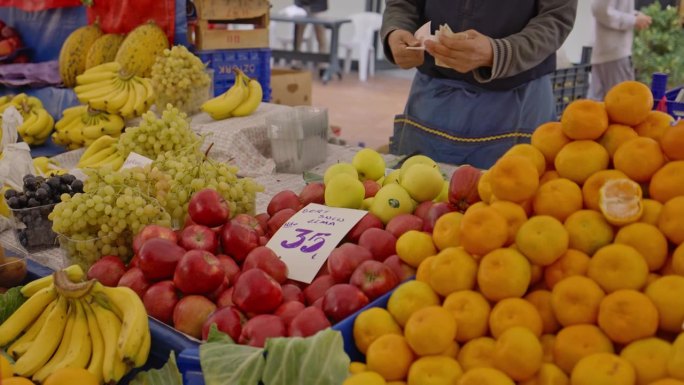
{"x": 492, "y": 87}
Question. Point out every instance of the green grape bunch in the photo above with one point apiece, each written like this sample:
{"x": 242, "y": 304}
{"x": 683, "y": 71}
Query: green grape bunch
{"x": 180, "y": 78}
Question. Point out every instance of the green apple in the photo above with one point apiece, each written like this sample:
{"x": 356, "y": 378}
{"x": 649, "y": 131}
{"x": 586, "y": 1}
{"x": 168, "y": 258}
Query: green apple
{"x": 366, "y": 204}
{"x": 339, "y": 168}
{"x": 423, "y": 182}
{"x": 391, "y": 201}
{"x": 444, "y": 194}
{"x": 392, "y": 177}
{"x": 369, "y": 164}
{"x": 416, "y": 159}
{"x": 344, "y": 191}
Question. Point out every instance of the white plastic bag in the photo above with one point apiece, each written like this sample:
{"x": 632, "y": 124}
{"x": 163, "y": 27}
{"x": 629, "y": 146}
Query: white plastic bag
{"x": 16, "y": 157}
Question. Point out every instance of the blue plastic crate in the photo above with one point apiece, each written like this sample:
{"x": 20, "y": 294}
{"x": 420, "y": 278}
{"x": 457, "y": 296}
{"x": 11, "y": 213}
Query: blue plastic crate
{"x": 658, "y": 88}
{"x": 190, "y": 368}
{"x": 255, "y": 63}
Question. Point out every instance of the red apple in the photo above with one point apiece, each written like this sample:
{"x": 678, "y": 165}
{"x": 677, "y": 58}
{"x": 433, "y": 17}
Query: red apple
{"x": 344, "y": 259}
{"x": 263, "y": 241}
{"x": 108, "y": 270}
{"x": 134, "y": 262}
{"x": 374, "y": 279}
{"x": 230, "y": 268}
{"x": 265, "y": 259}
{"x": 403, "y": 223}
{"x": 158, "y": 258}
{"x": 288, "y": 310}
{"x": 318, "y": 303}
{"x": 312, "y": 193}
{"x": 238, "y": 240}
{"x": 155, "y": 231}
{"x": 342, "y": 300}
{"x": 226, "y": 298}
{"x": 214, "y": 295}
{"x": 399, "y": 268}
{"x": 308, "y": 322}
{"x": 135, "y": 279}
{"x": 256, "y": 292}
{"x": 190, "y": 314}
{"x": 381, "y": 243}
{"x": 260, "y": 328}
{"x": 292, "y": 293}
{"x": 367, "y": 222}
{"x": 436, "y": 211}
{"x": 198, "y": 272}
{"x": 198, "y": 237}
{"x": 160, "y": 300}
{"x": 249, "y": 221}
{"x": 228, "y": 320}
{"x": 422, "y": 209}
{"x": 263, "y": 221}
{"x": 207, "y": 207}
{"x": 279, "y": 219}
{"x": 286, "y": 199}
{"x": 317, "y": 288}
{"x": 137, "y": 243}
{"x": 371, "y": 188}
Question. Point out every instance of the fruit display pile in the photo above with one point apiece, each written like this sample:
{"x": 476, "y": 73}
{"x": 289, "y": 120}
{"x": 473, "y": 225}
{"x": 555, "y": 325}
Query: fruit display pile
{"x": 180, "y": 78}
{"x": 37, "y": 123}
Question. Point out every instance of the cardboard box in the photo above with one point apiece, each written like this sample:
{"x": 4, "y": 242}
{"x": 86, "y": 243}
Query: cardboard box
{"x": 231, "y": 9}
{"x": 217, "y": 35}
{"x": 290, "y": 87}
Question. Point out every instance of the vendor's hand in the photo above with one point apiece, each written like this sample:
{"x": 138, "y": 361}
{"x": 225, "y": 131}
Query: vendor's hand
{"x": 398, "y": 40}
{"x": 463, "y": 55}
{"x": 642, "y": 21}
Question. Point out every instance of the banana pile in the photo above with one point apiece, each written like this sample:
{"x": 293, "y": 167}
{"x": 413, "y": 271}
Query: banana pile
{"x": 38, "y": 123}
{"x": 107, "y": 88}
{"x": 47, "y": 167}
{"x": 102, "y": 153}
{"x": 80, "y": 126}
{"x": 66, "y": 322}
{"x": 242, "y": 99}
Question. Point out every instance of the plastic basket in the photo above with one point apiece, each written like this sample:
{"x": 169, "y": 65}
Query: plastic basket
{"x": 33, "y": 228}
{"x": 666, "y": 100}
{"x": 255, "y": 63}
{"x": 570, "y": 84}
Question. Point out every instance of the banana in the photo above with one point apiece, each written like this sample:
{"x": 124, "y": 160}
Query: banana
{"x": 94, "y": 160}
{"x": 74, "y": 272}
{"x": 89, "y": 78}
{"x": 116, "y": 163}
{"x": 139, "y": 50}
{"x": 113, "y": 124}
{"x": 223, "y": 105}
{"x": 41, "y": 374}
{"x": 34, "y": 103}
{"x": 111, "y": 66}
{"x": 104, "y": 141}
{"x": 93, "y": 131}
{"x": 100, "y": 103}
{"x": 69, "y": 116}
{"x": 117, "y": 101}
{"x": 5, "y": 99}
{"x": 45, "y": 343}
{"x": 97, "y": 359}
{"x": 75, "y": 136}
{"x": 100, "y": 90}
{"x": 150, "y": 96}
{"x": 110, "y": 325}
{"x": 252, "y": 102}
{"x": 128, "y": 109}
{"x": 57, "y": 139}
{"x": 44, "y": 123}
{"x": 21, "y": 345}
{"x": 30, "y": 119}
{"x": 80, "y": 345}
{"x": 26, "y": 314}
{"x": 72, "y": 56}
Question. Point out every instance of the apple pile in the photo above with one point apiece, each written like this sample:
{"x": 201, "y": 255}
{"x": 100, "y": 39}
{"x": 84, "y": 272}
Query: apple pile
{"x": 10, "y": 42}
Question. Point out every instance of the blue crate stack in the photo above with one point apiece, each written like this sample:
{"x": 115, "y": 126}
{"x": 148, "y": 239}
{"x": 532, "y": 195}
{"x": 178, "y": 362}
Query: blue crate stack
{"x": 254, "y": 62}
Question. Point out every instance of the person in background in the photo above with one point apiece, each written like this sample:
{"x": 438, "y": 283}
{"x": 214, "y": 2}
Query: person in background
{"x": 611, "y": 61}
{"x": 492, "y": 87}
{"x": 312, "y": 8}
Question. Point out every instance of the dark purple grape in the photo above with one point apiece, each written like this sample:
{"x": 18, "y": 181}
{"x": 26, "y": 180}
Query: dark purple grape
{"x": 55, "y": 182}
{"x": 23, "y": 200}
{"x": 13, "y": 202}
{"x": 41, "y": 194}
{"x": 30, "y": 184}
{"x": 77, "y": 186}
{"x": 10, "y": 193}
{"x": 30, "y": 194}
{"x": 68, "y": 178}
{"x": 33, "y": 202}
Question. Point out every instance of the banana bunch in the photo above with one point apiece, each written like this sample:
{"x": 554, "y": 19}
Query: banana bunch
{"x": 67, "y": 322}
{"x": 102, "y": 153}
{"x": 242, "y": 99}
{"x": 107, "y": 88}
{"x": 80, "y": 126}
{"x": 38, "y": 123}
{"x": 47, "y": 167}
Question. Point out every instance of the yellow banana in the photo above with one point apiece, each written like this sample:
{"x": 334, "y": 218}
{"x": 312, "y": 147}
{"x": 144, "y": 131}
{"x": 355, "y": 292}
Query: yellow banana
{"x": 75, "y": 136}
{"x": 44, "y": 123}
{"x": 41, "y": 374}
{"x": 111, "y": 66}
{"x": 223, "y": 105}
{"x": 94, "y": 160}
{"x": 128, "y": 109}
{"x": 28, "y": 312}
{"x": 100, "y": 90}
{"x": 252, "y": 102}
{"x": 57, "y": 139}
{"x": 34, "y": 103}
{"x": 74, "y": 272}
{"x": 80, "y": 345}
{"x": 5, "y": 99}
{"x": 103, "y": 142}
{"x": 116, "y": 163}
{"x": 101, "y": 102}
{"x": 93, "y": 132}
{"x": 114, "y": 104}
{"x": 29, "y": 120}
{"x": 110, "y": 325}
{"x": 113, "y": 124}
{"x": 70, "y": 116}
{"x": 150, "y": 96}
{"x": 97, "y": 359}
{"x": 21, "y": 345}
{"x": 143, "y": 354}
{"x": 95, "y": 77}
{"x": 45, "y": 343}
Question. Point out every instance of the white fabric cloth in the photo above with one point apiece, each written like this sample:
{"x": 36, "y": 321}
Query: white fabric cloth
{"x": 614, "y": 21}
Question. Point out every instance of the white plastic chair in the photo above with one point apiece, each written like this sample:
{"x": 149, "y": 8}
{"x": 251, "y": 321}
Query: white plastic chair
{"x": 365, "y": 24}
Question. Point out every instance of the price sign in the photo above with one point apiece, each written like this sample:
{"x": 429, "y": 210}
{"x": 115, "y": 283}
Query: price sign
{"x": 135, "y": 160}
{"x": 305, "y": 241}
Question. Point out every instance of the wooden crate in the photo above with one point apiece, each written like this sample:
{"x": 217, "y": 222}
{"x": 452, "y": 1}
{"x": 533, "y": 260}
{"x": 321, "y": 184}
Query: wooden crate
{"x": 217, "y": 21}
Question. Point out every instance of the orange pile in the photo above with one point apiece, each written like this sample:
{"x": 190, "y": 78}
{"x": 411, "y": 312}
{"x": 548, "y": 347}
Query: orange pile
{"x": 570, "y": 270}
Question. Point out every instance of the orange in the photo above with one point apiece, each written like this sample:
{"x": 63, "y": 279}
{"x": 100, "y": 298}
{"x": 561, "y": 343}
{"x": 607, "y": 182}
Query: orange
{"x": 572, "y": 262}
{"x": 6, "y": 368}
{"x": 536, "y": 275}
{"x": 365, "y": 378}
{"x": 618, "y": 266}
{"x": 453, "y": 269}
{"x": 558, "y": 198}
{"x": 647, "y": 240}
{"x": 390, "y": 356}
{"x": 666, "y": 294}
{"x": 17, "y": 381}
{"x": 425, "y": 269}
{"x": 511, "y": 312}
{"x": 655, "y": 125}
{"x": 446, "y": 232}
{"x": 667, "y": 381}
{"x": 410, "y": 297}
{"x": 615, "y": 136}
{"x": 372, "y": 324}
{"x": 578, "y": 341}
{"x": 603, "y": 368}
{"x": 485, "y": 376}
{"x": 436, "y": 370}
{"x": 547, "y": 341}
{"x": 542, "y": 239}
{"x": 452, "y": 350}
{"x": 549, "y": 139}
{"x": 652, "y": 277}
{"x": 588, "y": 231}
{"x": 678, "y": 260}
{"x": 518, "y": 353}
{"x": 584, "y": 119}
{"x": 651, "y": 213}
{"x": 639, "y": 158}
{"x": 477, "y": 353}
{"x": 629, "y": 103}
{"x": 620, "y": 201}
{"x": 675, "y": 365}
{"x": 548, "y": 374}
{"x": 548, "y": 176}
{"x": 514, "y": 178}
{"x": 580, "y": 159}
{"x": 668, "y": 269}
{"x": 541, "y": 299}
{"x": 471, "y": 312}
{"x": 484, "y": 187}
{"x": 576, "y": 300}
{"x": 430, "y": 330}
{"x": 514, "y": 214}
{"x": 483, "y": 230}
{"x": 590, "y": 189}
{"x": 71, "y": 375}
{"x": 627, "y": 315}
{"x": 672, "y": 142}
{"x": 649, "y": 359}
{"x": 530, "y": 152}
{"x": 503, "y": 273}
{"x": 414, "y": 246}
{"x": 668, "y": 182}
{"x": 358, "y": 367}
{"x": 671, "y": 221}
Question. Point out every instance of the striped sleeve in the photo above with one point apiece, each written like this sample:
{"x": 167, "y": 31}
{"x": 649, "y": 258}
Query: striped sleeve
{"x": 501, "y": 61}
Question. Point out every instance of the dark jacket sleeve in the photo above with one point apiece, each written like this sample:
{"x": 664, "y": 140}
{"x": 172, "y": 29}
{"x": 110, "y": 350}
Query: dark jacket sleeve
{"x": 400, "y": 14}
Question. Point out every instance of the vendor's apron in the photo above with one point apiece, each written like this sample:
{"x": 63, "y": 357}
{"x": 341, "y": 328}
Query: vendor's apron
{"x": 456, "y": 122}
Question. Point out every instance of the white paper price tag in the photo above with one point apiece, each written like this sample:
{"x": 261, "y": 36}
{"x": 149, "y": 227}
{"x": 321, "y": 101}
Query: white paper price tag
{"x": 306, "y": 240}
{"x": 135, "y": 160}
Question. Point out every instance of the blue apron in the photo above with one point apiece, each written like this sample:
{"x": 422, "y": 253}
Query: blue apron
{"x": 456, "y": 122}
